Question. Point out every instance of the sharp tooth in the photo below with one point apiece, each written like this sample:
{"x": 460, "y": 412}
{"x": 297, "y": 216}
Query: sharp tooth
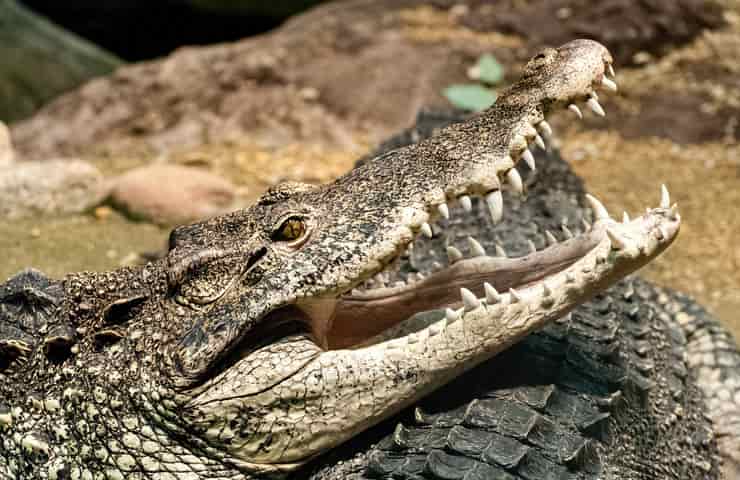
{"x": 546, "y": 290}
{"x": 566, "y": 231}
{"x": 529, "y": 159}
{"x": 399, "y": 283}
{"x": 476, "y": 248}
{"x": 545, "y": 127}
{"x": 435, "y": 329}
{"x": 420, "y": 276}
{"x": 515, "y": 180}
{"x": 551, "y": 240}
{"x": 625, "y": 217}
{"x": 467, "y": 205}
{"x": 453, "y": 254}
{"x": 618, "y": 243}
{"x": 495, "y": 202}
{"x": 500, "y": 252}
{"x": 665, "y": 197}
{"x": 574, "y": 108}
{"x": 594, "y": 105}
{"x": 492, "y": 295}
{"x": 532, "y": 247}
{"x": 569, "y": 277}
{"x": 436, "y": 265}
{"x": 600, "y": 211}
{"x": 674, "y": 212}
{"x": 444, "y": 211}
{"x": 515, "y": 296}
{"x": 586, "y": 226}
{"x": 611, "y": 71}
{"x": 540, "y": 142}
{"x": 426, "y": 229}
{"x": 608, "y": 84}
{"x": 451, "y": 315}
{"x": 470, "y": 301}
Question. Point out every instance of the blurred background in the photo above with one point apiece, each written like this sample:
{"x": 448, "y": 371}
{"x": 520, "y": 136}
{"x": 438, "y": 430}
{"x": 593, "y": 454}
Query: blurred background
{"x": 127, "y": 117}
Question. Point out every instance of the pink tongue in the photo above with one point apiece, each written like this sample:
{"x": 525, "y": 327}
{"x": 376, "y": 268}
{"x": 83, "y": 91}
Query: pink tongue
{"x": 359, "y": 318}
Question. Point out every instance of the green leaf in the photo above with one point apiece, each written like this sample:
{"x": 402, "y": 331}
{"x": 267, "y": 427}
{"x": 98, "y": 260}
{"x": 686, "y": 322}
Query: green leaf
{"x": 490, "y": 71}
{"x": 470, "y": 96}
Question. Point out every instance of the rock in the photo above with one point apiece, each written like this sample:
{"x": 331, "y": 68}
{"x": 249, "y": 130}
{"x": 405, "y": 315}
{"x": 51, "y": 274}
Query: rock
{"x": 39, "y": 61}
{"x": 172, "y": 194}
{"x": 6, "y": 148}
{"x": 58, "y": 186}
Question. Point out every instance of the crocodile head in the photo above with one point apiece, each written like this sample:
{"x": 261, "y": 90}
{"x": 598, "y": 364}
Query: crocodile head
{"x": 268, "y": 335}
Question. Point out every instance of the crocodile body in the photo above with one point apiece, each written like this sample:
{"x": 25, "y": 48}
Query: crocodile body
{"x": 269, "y": 336}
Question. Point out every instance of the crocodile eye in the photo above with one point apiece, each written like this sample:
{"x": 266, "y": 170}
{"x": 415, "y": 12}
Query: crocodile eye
{"x": 290, "y": 230}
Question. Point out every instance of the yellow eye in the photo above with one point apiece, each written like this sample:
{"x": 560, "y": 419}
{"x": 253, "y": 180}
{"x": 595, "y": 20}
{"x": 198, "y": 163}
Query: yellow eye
{"x": 291, "y": 229}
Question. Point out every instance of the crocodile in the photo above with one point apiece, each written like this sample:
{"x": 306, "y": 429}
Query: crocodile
{"x": 267, "y": 337}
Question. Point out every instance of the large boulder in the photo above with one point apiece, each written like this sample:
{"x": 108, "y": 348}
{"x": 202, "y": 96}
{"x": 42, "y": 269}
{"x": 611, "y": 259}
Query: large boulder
{"x": 39, "y": 60}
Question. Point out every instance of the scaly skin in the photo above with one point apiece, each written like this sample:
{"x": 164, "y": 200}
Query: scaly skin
{"x": 214, "y": 361}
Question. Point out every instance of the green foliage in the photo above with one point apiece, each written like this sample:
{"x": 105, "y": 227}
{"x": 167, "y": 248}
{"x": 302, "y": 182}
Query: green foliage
{"x": 470, "y": 96}
{"x": 489, "y": 70}
{"x": 476, "y": 96}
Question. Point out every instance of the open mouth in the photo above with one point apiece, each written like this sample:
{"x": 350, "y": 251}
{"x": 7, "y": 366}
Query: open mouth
{"x": 380, "y": 307}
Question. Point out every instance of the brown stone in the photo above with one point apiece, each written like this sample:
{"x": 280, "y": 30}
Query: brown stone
{"x": 172, "y": 194}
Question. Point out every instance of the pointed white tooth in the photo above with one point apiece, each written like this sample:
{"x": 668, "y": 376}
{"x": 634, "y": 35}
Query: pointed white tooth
{"x": 551, "y": 240}
{"x": 532, "y": 247}
{"x": 586, "y": 226}
{"x": 453, "y": 254}
{"x": 540, "y": 142}
{"x": 545, "y": 127}
{"x": 436, "y": 265}
{"x": 495, "y": 202}
{"x": 399, "y": 283}
{"x": 618, "y": 243}
{"x": 674, "y": 212}
{"x": 594, "y": 105}
{"x": 467, "y": 205}
{"x": 470, "y": 301}
{"x": 574, "y": 108}
{"x": 546, "y": 290}
{"x": 600, "y": 211}
{"x": 611, "y": 71}
{"x": 492, "y": 296}
{"x": 569, "y": 277}
{"x": 529, "y": 159}
{"x": 665, "y": 197}
{"x": 426, "y": 229}
{"x": 476, "y": 248}
{"x": 451, "y": 315}
{"x": 515, "y": 180}
{"x": 625, "y": 217}
{"x": 443, "y": 210}
{"x": 420, "y": 276}
{"x": 500, "y": 252}
{"x": 515, "y": 296}
{"x": 608, "y": 84}
{"x": 566, "y": 231}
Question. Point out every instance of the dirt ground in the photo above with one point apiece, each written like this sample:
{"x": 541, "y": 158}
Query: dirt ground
{"x": 675, "y": 120}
